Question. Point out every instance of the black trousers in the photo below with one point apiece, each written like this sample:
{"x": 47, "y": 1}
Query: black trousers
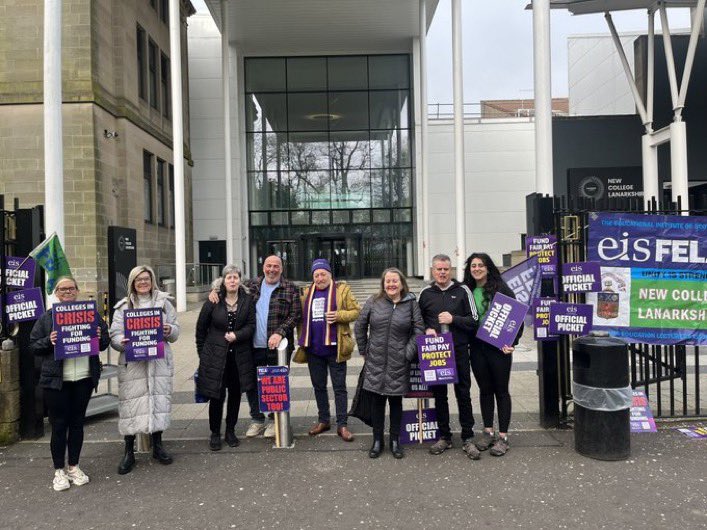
{"x": 462, "y": 391}
{"x": 67, "y": 411}
{"x": 230, "y": 384}
{"x": 396, "y": 414}
{"x": 492, "y": 371}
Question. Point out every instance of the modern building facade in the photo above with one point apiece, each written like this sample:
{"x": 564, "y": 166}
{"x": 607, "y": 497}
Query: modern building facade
{"x": 326, "y": 121}
{"x": 117, "y": 125}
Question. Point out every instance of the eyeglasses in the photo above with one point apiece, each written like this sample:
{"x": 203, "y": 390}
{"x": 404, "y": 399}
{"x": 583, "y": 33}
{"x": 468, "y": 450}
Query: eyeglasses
{"x": 143, "y": 280}
{"x": 66, "y": 290}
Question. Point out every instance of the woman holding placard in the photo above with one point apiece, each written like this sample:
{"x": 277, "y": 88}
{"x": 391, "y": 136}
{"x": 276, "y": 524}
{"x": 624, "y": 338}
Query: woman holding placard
{"x": 224, "y": 333}
{"x": 67, "y": 385}
{"x": 385, "y": 333}
{"x": 491, "y": 366}
{"x": 145, "y": 386}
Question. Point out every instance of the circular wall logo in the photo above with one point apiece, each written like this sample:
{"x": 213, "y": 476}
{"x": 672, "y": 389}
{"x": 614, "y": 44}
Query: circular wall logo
{"x": 591, "y": 188}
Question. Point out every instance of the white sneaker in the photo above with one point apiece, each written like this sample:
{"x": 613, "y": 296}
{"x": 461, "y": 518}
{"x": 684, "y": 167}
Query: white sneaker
{"x": 255, "y": 429}
{"x": 76, "y": 476}
{"x": 270, "y": 430}
{"x": 61, "y": 481}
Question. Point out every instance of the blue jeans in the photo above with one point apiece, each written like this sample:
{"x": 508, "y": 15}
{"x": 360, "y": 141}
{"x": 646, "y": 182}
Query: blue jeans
{"x": 318, "y": 367}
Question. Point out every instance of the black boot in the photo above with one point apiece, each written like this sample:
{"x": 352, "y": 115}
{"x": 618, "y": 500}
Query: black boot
{"x": 377, "y": 447}
{"x": 396, "y": 448}
{"x": 215, "y": 441}
{"x": 158, "y": 452}
{"x": 231, "y": 438}
{"x": 128, "y": 462}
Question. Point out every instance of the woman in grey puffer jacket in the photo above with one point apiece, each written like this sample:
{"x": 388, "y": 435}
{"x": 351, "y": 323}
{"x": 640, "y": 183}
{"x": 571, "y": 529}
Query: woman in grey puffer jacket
{"x": 385, "y": 333}
{"x": 145, "y": 390}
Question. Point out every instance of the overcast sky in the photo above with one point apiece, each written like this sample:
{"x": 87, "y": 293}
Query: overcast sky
{"x": 498, "y": 46}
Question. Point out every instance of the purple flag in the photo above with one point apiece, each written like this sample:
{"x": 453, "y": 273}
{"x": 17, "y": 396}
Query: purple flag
{"x": 581, "y": 277}
{"x": 19, "y": 272}
{"x": 524, "y": 280}
{"x": 502, "y": 321}
{"x": 570, "y": 319}
{"x": 143, "y": 329}
{"x": 437, "y": 361}
{"x": 24, "y": 305}
{"x": 76, "y": 324}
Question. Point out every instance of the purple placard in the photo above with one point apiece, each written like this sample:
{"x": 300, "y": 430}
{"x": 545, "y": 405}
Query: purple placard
{"x": 545, "y": 248}
{"x": 524, "y": 280}
{"x": 76, "y": 324}
{"x": 581, "y": 277}
{"x": 695, "y": 432}
{"x": 410, "y": 427}
{"x": 274, "y": 388}
{"x": 143, "y": 329}
{"x": 19, "y": 272}
{"x": 437, "y": 361}
{"x": 571, "y": 319}
{"x": 541, "y": 319}
{"x": 641, "y": 414}
{"x": 502, "y": 322}
{"x": 25, "y": 305}
{"x": 418, "y": 389}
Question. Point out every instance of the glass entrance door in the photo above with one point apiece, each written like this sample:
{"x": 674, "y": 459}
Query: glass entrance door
{"x": 343, "y": 253}
{"x": 287, "y": 250}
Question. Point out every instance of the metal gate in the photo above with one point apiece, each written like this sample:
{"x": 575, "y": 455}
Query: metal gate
{"x": 669, "y": 375}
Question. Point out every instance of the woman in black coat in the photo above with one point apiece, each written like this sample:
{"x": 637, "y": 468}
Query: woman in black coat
{"x": 224, "y": 333}
{"x": 385, "y": 333}
{"x": 67, "y": 386}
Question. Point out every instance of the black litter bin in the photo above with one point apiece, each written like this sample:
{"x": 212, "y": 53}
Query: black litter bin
{"x": 602, "y": 397}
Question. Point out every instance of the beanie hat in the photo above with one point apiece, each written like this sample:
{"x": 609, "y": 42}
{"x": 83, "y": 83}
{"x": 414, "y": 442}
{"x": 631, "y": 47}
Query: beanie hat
{"x": 321, "y": 263}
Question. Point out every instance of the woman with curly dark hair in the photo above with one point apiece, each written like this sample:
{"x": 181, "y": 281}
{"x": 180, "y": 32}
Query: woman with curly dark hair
{"x": 491, "y": 366}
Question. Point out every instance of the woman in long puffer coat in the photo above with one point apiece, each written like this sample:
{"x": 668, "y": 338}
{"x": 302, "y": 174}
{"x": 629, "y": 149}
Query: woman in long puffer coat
{"x": 145, "y": 391}
{"x": 385, "y": 333}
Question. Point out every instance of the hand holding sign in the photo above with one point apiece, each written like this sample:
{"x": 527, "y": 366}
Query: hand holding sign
{"x": 502, "y": 322}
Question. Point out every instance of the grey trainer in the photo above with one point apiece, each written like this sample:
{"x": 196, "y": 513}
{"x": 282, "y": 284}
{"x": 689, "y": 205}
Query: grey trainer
{"x": 440, "y": 446}
{"x": 471, "y": 450}
{"x": 485, "y": 441}
{"x": 500, "y": 448}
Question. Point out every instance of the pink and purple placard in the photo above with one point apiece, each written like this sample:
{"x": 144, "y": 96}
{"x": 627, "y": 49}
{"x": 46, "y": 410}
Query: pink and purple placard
{"x": 274, "y": 388}
{"x": 570, "y": 319}
{"x": 641, "y": 414}
{"x": 581, "y": 277}
{"x": 76, "y": 325}
{"x": 143, "y": 329}
{"x": 502, "y": 321}
{"x": 436, "y": 356}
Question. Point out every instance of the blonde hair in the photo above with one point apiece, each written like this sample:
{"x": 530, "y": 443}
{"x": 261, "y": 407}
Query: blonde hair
{"x": 63, "y": 279}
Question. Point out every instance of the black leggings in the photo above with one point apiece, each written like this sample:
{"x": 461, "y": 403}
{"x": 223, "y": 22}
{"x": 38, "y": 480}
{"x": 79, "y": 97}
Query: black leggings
{"x": 67, "y": 411}
{"x": 396, "y": 414}
{"x": 232, "y": 383}
{"x": 492, "y": 371}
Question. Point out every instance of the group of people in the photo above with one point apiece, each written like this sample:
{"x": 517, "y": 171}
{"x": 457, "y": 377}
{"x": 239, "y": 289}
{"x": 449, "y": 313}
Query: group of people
{"x": 240, "y": 327}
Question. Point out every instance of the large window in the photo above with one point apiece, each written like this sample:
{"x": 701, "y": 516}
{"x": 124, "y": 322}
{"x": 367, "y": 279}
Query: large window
{"x": 165, "y": 81}
{"x": 160, "y": 192}
{"x": 141, "y": 65}
{"x": 147, "y": 162}
{"x": 152, "y": 67}
{"x": 328, "y": 147}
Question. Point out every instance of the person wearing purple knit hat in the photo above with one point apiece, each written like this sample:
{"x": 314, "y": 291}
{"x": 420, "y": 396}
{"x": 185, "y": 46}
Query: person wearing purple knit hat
{"x": 325, "y": 343}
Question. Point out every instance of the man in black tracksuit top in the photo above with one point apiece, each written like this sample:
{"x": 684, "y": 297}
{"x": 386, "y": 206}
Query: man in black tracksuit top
{"x": 448, "y": 302}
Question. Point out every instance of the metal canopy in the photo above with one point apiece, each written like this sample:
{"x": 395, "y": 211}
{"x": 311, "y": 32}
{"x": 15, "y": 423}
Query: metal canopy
{"x": 585, "y": 7}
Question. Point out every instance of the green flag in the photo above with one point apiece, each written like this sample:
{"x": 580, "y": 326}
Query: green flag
{"x": 50, "y": 256}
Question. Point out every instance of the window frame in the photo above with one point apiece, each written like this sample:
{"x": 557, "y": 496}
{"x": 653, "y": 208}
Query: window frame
{"x": 148, "y": 184}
